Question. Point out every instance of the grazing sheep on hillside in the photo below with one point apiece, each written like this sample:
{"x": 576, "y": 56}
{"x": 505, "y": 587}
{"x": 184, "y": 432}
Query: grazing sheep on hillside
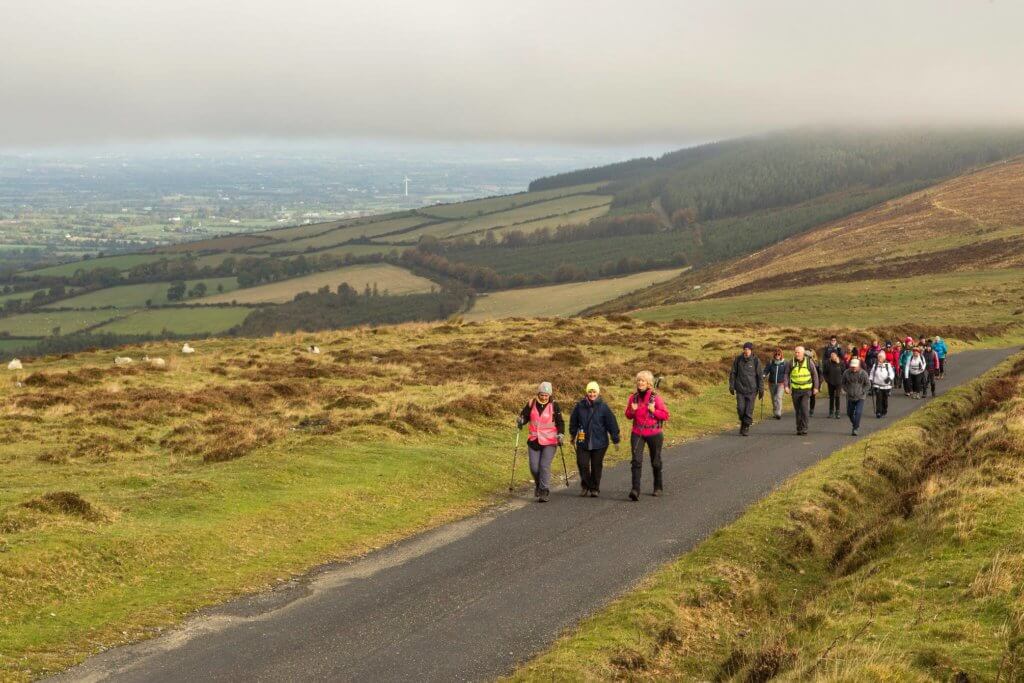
{"x": 14, "y": 365}
{"x": 187, "y": 349}
{"x": 313, "y": 348}
{"x": 122, "y": 360}
{"x": 156, "y": 362}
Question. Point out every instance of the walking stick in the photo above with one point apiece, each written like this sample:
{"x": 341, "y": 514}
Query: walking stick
{"x": 564, "y": 468}
{"x": 761, "y": 401}
{"x": 515, "y": 452}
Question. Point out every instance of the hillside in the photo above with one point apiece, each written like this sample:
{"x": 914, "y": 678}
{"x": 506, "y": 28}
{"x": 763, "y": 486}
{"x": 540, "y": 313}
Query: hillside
{"x": 688, "y": 209}
{"x": 972, "y": 223}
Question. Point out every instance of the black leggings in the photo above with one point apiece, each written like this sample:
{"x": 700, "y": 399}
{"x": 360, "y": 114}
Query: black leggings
{"x": 654, "y": 444}
{"x": 834, "y": 392}
{"x": 590, "y": 464}
{"x": 881, "y": 401}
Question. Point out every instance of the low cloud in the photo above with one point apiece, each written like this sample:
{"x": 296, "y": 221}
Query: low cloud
{"x": 569, "y": 71}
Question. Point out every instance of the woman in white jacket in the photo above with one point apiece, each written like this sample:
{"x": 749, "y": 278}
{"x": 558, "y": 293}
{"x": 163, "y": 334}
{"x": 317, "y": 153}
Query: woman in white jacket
{"x": 882, "y": 375}
{"x": 916, "y": 371}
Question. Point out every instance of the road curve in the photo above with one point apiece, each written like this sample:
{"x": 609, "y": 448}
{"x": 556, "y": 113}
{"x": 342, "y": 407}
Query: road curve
{"x": 471, "y": 600}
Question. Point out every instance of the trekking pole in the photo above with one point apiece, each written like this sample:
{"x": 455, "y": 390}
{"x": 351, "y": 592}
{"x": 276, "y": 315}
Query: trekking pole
{"x": 564, "y": 468}
{"x": 515, "y": 452}
{"x": 761, "y": 401}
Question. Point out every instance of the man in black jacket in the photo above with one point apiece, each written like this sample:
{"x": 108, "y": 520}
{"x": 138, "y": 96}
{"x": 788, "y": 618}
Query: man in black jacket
{"x": 591, "y": 424}
{"x": 746, "y": 380}
{"x": 833, "y": 347}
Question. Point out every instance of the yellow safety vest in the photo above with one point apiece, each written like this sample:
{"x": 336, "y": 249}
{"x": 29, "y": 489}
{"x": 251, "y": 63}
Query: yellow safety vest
{"x": 800, "y": 376}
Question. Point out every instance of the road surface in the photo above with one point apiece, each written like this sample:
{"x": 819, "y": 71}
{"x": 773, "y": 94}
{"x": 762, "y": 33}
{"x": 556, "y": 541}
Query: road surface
{"x": 471, "y": 600}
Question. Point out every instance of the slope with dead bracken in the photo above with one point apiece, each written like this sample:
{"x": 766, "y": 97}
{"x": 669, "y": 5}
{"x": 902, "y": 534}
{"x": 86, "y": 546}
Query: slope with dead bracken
{"x": 971, "y": 222}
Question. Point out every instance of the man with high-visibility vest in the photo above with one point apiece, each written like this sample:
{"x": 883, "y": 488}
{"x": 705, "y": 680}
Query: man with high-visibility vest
{"x": 802, "y": 383}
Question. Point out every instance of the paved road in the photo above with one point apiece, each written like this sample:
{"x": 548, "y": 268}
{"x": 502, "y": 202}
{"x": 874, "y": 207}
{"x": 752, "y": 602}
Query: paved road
{"x": 471, "y": 600}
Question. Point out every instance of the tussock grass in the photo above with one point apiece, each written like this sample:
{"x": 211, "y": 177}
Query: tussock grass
{"x": 132, "y": 496}
{"x": 898, "y": 558}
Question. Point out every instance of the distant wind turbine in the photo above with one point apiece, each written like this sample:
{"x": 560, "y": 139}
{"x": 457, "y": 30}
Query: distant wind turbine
{"x": 406, "y": 186}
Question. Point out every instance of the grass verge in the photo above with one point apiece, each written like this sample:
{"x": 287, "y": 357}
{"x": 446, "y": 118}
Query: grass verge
{"x": 898, "y": 558}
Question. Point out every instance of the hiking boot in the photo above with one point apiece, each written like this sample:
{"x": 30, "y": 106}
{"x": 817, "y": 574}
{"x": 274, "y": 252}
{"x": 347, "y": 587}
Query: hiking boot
{"x": 744, "y": 430}
{"x": 536, "y": 492}
{"x": 593, "y": 493}
{"x": 544, "y": 496}
{"x": 853, "y": 432}
{"x": 837, "y": 416}
{"x": 584, "y": 493}
{"x": 656, "y": 493}
{"x": 634, "y": 495}
{"x": 778, "y": 417}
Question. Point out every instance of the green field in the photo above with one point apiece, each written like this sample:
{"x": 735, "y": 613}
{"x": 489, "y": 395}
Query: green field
{"x": 136, "y": 296}
{"x": 18, "y": 296}
{"x": 226, "y": 243}
{"x": 523, "y": 214}
{"x": 487, "y": 205}
{"x": 198, "y": 320}
{"x": 41, "y": 323}
{"x": 387, "y": 277}
{"x": 9, "y": 345}
{"x": 967, "y": 298}
{"x": 123, "y": 262}
{"x": 574, "y": 218}
{"x": 561, "y": 300}
{"x": 344, "y": 234}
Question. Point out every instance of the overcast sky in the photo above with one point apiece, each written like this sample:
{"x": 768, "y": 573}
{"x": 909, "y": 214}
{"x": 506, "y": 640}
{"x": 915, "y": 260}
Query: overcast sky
{"x": 522, "y": 70}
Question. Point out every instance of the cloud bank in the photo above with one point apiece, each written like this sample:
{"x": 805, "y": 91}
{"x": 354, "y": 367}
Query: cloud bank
{"x": 569, "y": 71}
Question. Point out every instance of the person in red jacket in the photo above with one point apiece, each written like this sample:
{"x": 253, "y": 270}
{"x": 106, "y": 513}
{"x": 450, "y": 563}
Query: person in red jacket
{"x": 647, "y": 411}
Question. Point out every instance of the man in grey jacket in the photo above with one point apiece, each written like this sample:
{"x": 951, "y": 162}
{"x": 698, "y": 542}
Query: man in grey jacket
{"x": 746, "y": 380}
{"x": 856, "y": 386}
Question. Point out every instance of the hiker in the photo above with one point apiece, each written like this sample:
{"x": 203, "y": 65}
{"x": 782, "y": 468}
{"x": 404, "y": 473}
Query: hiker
{"x": 801, "y": 383}
{"x": 833, "y": 346}
{"x": 882, "y": 377}
{"x": 647, "y": 411}
{"x": 932, "y": 365}
{"x": 775, "y": 373}
{"x": 745, "y": 380}
{"x": 914, "y": 373}
{"x": 906, "y": 352}
{"x": 940, "y": 348}
{"x": 873, "y": 352}
{"x": 856, "y": 386}
{"x": 546, "y": 429}
{"x": 851, "y": 353}
{"x": 832, "y": 373}
{"x": 862, "y": 353}
{"x": 814, "y": 396}
{"x": 591, "y": 424}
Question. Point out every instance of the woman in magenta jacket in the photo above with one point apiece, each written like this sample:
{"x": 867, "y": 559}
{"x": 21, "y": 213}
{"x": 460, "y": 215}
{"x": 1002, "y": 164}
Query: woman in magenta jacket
{"x": 647, "y": 411}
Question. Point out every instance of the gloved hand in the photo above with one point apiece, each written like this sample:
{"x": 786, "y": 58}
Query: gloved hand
{"x": 561, "y": 439}
{"x": 732, "y": 392}
{"x": 519, "y": 422}
{"x": 760, "y": 396}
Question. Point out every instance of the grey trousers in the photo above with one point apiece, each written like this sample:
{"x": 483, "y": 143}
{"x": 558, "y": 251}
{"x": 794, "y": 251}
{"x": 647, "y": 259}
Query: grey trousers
{"x": 778, "y": 390}
{"x": 745, "y": 408}
{"x": 540, "y": 464}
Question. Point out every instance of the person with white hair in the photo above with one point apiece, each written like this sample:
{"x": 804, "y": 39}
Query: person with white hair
{"x": 648, "y": 412}
{"x": 802, "y": 383}
{"x": 547, "y": 427}
{"x": 882, "y": 376}
{"x": 856, "y": 385}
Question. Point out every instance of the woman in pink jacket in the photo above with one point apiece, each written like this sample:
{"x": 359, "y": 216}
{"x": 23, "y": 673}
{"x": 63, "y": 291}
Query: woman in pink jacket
{"x": 647, "y": 411}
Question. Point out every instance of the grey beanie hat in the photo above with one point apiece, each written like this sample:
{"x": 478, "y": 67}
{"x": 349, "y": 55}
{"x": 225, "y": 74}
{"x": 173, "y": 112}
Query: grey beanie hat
{"x": 544, "y": 388}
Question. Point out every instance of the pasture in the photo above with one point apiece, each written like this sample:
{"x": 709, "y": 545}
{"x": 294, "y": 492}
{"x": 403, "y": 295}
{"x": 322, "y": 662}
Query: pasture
{"x": 562, "y": 300}
{"x": 122, "y": 262}
{"x": 136, "y": 296}
{"x": 386, "y": 276}
{"x": 345, "y": 234}
{"x": 42, "y": 323}
{"x": 479, "y": 207}
{"x": 198, "y": 320}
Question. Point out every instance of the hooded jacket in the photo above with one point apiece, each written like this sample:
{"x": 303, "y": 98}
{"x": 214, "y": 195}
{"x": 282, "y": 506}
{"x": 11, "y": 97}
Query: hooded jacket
{"x": 646, "y": 423}
{"x": 939, "y": 347}
{"x": 597, "y": 421}
{"x": 746, "y": 376}
{"x": 856, "y": 384}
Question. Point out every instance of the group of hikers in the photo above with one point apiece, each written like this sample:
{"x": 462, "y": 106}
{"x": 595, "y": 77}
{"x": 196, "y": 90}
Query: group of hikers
{"x": 873, "y": 370}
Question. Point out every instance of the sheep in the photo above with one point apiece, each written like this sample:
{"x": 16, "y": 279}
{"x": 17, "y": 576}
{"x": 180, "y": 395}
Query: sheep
{"x": 14, "y": 365}
{"x": 313, "y": 348}
{"x": 156, "y": 362}
{"x": 187, "y": 349}
{"x": 122, "y": 360}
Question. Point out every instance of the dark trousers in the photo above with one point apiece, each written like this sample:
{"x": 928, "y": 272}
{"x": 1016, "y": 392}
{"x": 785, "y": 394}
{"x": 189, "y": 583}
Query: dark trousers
{"x": 745, "y": 408}
{"x": 590, "y": 464}
{"x": 654, "y": 444}
{"x": 929, "y": 382}
{"x": 881, "y": 402}
{"x": 834, "y": 392}
{"x": 942, "y": 366}
{"x": 812, "y": 401}
{"x": 908, "y": 385}
{"x": 854, "y": 409}
{"x": 802, "y": 408}
{"x": 917, "y": 383}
